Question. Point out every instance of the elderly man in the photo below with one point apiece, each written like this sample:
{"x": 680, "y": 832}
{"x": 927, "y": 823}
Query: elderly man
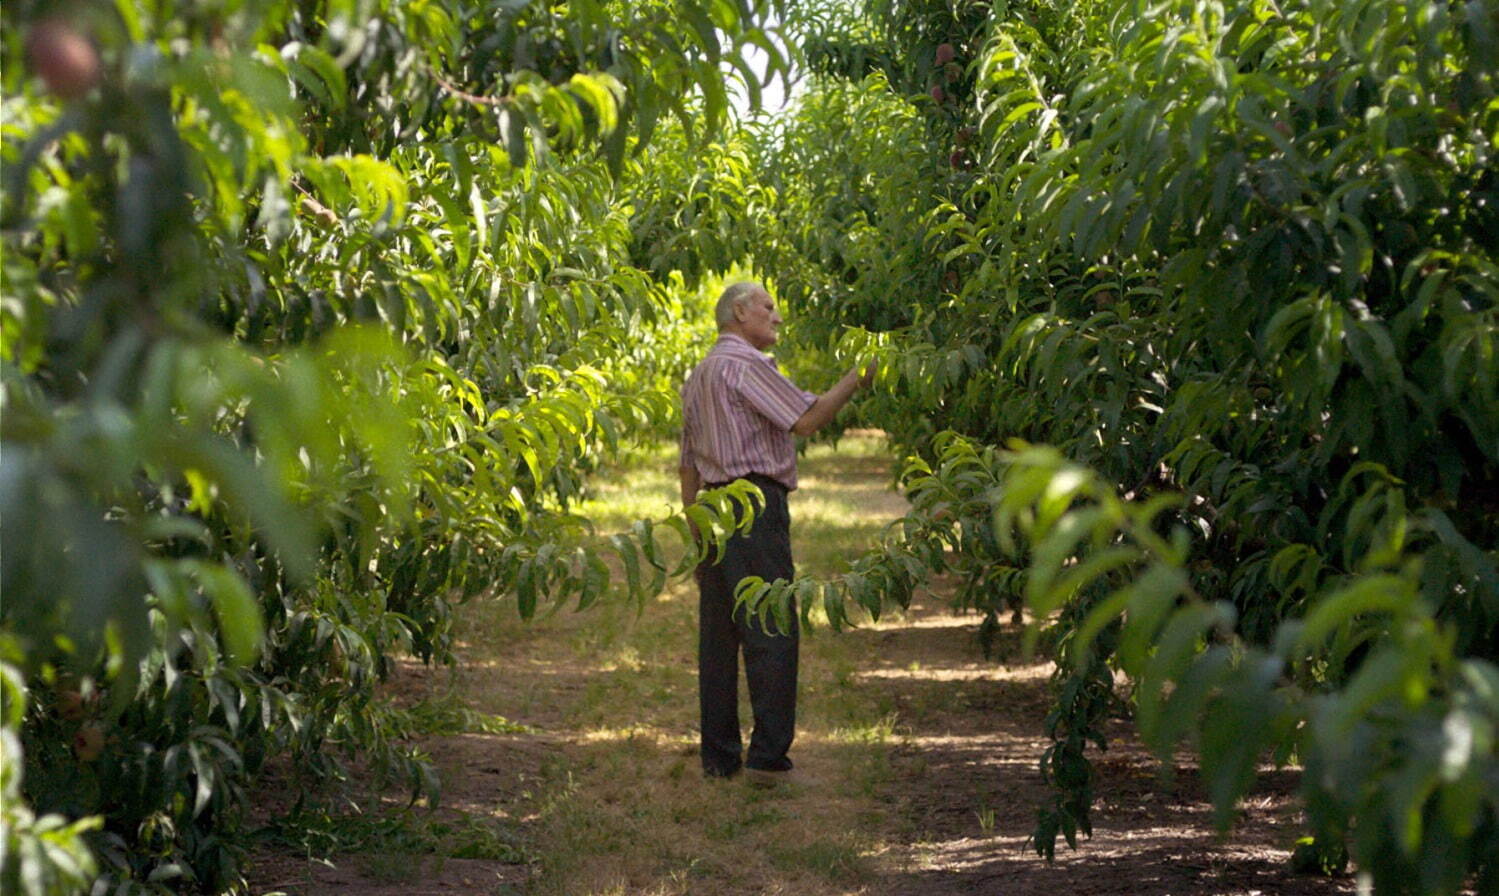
{"x": 739, "y": 414}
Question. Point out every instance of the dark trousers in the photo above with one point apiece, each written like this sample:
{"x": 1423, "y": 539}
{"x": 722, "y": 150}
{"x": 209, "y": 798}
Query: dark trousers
{"x": 770, "y": 657}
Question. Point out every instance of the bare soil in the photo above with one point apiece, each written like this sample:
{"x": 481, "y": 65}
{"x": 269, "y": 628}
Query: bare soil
{"x": 484, "y": 776}
{"x": 967, "y": 788}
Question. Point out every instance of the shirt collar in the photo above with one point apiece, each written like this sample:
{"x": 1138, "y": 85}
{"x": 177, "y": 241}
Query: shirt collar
{"x": 737, "y": 344}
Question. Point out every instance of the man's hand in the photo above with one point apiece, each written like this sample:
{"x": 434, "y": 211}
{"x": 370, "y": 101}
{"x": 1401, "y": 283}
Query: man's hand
{"x": 828, "y": 404}
{"x": 866, "y": 378}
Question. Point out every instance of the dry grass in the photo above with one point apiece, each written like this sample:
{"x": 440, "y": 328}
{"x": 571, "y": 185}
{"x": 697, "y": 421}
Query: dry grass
{"x": 622, "y": 806}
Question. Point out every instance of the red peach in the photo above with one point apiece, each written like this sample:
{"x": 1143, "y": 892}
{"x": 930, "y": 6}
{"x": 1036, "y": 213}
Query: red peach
{"x": 67, "y": 63}
{"x": 88, "y": 743}
{"x": 70, "y": 705}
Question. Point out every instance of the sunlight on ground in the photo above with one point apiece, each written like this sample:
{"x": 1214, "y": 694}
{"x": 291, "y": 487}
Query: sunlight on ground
{"x": 637, "y": 732}
{"x": 987, "y": 672}
{"x": 876, "y": 731}
{"x": 902, "y": 621}
{"x": 627, "y": 809}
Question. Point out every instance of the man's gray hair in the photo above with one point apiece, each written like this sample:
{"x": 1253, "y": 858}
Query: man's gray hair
{"x": 734, "y": 294}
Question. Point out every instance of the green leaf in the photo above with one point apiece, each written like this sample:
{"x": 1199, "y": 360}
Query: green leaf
{"x": 318, "y": 73}
{"x": 238, "y": 612}
{"x": 1371, "y": 594}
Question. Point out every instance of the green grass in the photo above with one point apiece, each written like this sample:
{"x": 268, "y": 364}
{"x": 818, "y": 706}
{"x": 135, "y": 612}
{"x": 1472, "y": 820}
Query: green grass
{"x": 834, "y": 860}
{"x": 399, "y": 845}
{"x": 446, "y": 714}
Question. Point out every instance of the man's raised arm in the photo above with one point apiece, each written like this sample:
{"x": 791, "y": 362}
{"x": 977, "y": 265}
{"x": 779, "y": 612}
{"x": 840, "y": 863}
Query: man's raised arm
{"x": 829, "y": 403}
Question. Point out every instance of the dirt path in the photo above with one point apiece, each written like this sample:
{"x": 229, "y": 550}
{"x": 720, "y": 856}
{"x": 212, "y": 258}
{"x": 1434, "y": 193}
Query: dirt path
{"x": 916, "y": 759}
{"x": 966, "y": 787}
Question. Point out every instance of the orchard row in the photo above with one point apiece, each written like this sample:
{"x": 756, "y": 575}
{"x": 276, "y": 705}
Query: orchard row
{"x": 317, "y": 317}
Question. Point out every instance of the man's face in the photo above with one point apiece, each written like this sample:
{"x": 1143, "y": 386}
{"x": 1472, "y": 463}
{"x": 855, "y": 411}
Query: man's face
{"x": 758, "y": 320}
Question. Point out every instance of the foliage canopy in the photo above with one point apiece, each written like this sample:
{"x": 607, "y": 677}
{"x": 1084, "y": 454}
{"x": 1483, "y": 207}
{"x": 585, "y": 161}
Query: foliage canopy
{"x": 316, "y": 316}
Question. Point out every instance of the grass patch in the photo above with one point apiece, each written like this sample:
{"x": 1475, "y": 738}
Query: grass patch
{"x": 446, "y": 715}
{"x": 398, "y": 845}
{"x": 833, "y": 860}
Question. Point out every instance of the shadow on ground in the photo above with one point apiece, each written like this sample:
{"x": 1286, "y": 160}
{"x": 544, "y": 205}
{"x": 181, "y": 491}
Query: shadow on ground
{"x": 966, "y": 788}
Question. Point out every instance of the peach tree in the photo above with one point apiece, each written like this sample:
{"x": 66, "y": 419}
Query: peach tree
{"x": 315, "y": 315}
{"x": 1192, "y": 348}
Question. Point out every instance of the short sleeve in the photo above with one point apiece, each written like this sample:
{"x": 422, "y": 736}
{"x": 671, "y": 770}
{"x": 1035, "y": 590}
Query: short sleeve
{"x": 770, "y": 393}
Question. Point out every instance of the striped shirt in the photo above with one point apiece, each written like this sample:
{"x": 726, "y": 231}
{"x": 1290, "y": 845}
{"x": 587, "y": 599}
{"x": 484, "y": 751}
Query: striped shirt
{"x": 737, "y": 414}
